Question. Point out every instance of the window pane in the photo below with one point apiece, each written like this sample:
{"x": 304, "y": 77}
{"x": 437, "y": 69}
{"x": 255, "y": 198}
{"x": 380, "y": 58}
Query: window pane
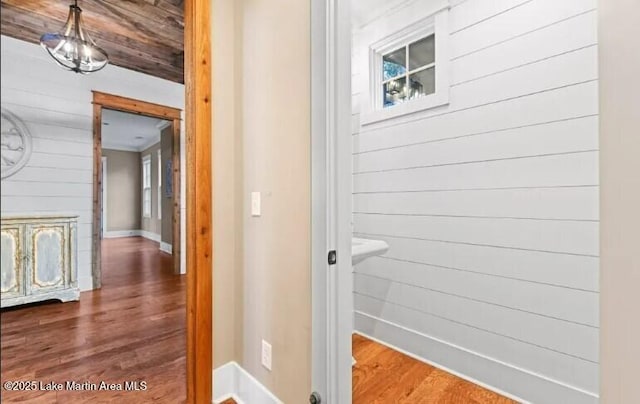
{"x": 394, "y": 64}
{"x": 422, "y": 83}
{"x": 422, "y": 52}
{"x": 394, "y": 92}
{"x": 146, "y": 173}
{"x": 146, "y": 204}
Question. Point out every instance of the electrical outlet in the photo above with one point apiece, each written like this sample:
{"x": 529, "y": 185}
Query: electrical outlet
{"x": 266, "y": 354}
{"x": 255, "y": 204}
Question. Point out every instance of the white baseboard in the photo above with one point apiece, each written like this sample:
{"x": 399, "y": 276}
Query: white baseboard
{"x": 122, "y": 233}
{"x": 132, "y": 233}
{"x": 473, "y": 366}
{"x": 151, "y": 236}
{"x": 166, "y": 247}
{"x": 232, "y": 381}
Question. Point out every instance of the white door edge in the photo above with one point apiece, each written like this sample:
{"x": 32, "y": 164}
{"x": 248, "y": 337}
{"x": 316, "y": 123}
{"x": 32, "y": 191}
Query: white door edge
{"x": 331, "y": 199}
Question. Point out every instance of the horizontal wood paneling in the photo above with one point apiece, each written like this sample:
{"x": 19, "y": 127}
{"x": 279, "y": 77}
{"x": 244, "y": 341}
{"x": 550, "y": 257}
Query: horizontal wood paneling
{"x": 47, "y": 116}
{"x": 64, "y": 161}
{"x": 523, "y": 354}
{"x": 59, "y": 175}
{"x": 547, "y": 300}
{"x": 564, "y": 203}
{"x": 570, "y": 169}
{"x": 56, "y": 107}
{"x": 531, "y": 16}
{"x": 47, "y": 101}
{"x": 576, "y": 100}
{"x": 572, "y": 237}
{"x": 51, "y": 203}
{"x": 572, "y": 67}
{"x": 572, "y": 271}
{"x": 478, "y": 11}
{"x": 552, "y": 138}
{"x": 517, "y": 324}
{"x": 490, "y": 203}
{"x": 565, "y": 36}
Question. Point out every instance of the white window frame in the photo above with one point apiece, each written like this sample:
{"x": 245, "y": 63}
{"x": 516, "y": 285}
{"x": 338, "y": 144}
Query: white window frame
{"x": 435, "y": 23}
{"x": 146, "y": 165}
{"x": 159, "y": 184}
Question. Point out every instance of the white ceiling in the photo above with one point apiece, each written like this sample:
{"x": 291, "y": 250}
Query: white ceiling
{"x": 363, "y": 11}
{"x": 124, "y": 131}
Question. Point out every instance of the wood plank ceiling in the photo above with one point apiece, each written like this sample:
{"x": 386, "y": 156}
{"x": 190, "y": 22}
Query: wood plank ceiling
{"x": 142, "y": 35}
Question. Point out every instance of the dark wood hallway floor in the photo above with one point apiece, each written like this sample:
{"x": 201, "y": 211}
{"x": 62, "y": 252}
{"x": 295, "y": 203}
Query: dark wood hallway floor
{"x": 133, "y": 329}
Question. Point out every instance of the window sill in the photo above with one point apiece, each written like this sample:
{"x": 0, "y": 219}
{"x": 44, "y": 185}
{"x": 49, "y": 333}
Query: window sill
{"x": 410, "y": 107}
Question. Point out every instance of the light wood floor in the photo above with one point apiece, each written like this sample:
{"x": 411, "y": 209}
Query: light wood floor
{"x": 131, "y": 329}
{"x": 385, "y": 376}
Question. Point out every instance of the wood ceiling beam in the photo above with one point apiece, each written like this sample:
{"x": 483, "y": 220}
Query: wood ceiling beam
{"x": 102, "y": 16}
{"x": 126, "y": 43}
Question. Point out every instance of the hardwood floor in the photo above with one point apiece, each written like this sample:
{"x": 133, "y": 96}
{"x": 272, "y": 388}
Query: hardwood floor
{"x": 133, "y": 329}
{"x": 384, "y": 376}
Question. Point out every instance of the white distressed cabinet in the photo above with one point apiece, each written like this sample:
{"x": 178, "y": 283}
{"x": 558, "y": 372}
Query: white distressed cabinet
{"x": 38, "y": 259}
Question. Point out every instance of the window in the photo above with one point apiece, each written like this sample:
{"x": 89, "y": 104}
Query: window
{"x": 407, "y": 64}
{"x": 409, "y": 72}
{"x": 146, "y": 186}
{"x": 160, "y": 184}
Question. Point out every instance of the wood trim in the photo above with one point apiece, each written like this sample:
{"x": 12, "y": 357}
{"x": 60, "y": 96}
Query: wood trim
{"x": 134, "y": 106}
{"x": 177, "y": 194}
{"x": 199, "y": 201}
{"x": 104, "y": 100}
{"x": 96, "y": 262}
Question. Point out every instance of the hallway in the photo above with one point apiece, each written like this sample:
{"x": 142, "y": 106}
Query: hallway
{"x": 133, "y": 329}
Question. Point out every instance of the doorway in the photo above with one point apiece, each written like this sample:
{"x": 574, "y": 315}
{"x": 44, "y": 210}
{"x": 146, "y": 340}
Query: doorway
{"x": 102, "y": 101}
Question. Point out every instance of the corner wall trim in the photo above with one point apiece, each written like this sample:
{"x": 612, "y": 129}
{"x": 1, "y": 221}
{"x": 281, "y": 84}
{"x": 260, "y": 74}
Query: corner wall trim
{"x": 232, "y": 381}
{"x": 165, "y": 247}
{"x": 151, "y": 236}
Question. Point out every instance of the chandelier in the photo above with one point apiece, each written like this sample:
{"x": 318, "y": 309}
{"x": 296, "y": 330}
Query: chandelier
{"x": 73, "y": 48}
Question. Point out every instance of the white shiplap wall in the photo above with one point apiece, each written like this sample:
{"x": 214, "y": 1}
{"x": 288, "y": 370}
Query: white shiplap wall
{"x": 56, "y": 107}
{"x": 490, "y": 204}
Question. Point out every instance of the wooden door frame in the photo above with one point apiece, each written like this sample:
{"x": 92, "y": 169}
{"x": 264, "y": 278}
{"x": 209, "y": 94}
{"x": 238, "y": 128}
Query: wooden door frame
{"x": 118, "y": 103}
{"x": 197, "y": 63}
{"x": 199, "y": 197}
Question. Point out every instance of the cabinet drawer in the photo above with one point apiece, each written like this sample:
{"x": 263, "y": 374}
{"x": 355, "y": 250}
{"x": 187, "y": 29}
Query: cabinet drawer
{"x": 12, "y": 267}
{"x": 49, "y": 257}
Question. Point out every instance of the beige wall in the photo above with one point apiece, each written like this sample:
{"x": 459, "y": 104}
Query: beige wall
{"x": 619, "y": 63}
{"x": 227, "y": 189}
{"x": 152, "y": 224}
{"x": 262, "y": 143}
{"x": 166, "y": 142}
{"x": 123, "y": 190}
{"x": 276, "y": 159}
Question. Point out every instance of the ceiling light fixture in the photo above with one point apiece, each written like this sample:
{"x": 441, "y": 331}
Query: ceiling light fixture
{"x": 73, "y": 48}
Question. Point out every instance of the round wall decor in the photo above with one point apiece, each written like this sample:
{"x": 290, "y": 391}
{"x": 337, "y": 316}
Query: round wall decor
{"x": 16, "y": 144}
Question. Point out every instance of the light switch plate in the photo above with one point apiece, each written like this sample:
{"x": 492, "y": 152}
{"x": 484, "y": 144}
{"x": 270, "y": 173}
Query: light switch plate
{"x": 255, "y": 204}
{"x": 266, "y": 354}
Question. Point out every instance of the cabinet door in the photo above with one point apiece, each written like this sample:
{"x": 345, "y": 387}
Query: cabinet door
{"x": 48, "y": 260}
{"x": 12, "y": 261}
